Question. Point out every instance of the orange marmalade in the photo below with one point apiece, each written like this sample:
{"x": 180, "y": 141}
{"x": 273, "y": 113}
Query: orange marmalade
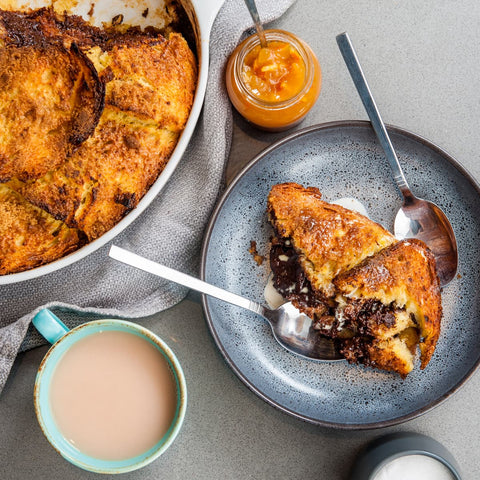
{"x": 273, "y": 87}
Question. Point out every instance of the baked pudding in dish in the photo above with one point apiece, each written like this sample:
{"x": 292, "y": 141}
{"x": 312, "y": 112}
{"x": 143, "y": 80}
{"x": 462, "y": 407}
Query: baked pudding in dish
{"x": 114, "y": 134}
{"x": 377, "y": 297}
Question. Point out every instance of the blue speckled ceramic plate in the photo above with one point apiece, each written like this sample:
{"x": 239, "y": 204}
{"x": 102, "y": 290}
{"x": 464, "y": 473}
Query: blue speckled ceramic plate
{"x": 342, "y": 160}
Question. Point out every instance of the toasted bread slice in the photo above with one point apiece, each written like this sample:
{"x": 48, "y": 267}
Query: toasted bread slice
{"x": 159, "y": 89}
{"x": 328, "y": 238}
{"x": 32, "y": 26}
{"x": 403, "y": 278}
{"x": 50, "y": 100}
{"x": 106, "y": 177}
{"x": 30, "y": 237}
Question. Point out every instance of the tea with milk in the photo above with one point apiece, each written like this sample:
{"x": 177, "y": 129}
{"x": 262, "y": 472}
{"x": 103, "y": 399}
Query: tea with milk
{"x": 113, "y": 395}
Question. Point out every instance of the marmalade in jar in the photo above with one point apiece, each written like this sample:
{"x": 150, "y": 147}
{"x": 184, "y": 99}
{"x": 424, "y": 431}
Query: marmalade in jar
{"x": 275, "y": 73}
{"x": 273, "y": 87}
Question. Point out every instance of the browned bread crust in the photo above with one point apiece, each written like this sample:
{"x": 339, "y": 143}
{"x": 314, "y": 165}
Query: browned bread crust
{"x": 29, "y": 236}
{"x": 328, "y": 237}
{"x": 159, "y": 89}
{"x": 106, "y": 177}
{"x": 46, "y": 25}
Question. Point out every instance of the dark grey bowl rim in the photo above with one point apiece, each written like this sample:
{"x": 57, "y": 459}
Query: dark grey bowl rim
{"x": 206, "y": 241}
{"x": 383, "y": 450}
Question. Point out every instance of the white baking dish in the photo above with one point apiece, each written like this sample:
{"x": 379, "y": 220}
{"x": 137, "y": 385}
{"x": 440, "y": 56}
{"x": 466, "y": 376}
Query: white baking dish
{"x": 202, "y": 14}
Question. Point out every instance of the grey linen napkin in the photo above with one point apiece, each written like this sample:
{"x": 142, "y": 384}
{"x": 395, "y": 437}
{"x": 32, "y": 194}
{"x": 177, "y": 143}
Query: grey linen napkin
{"x": 169, "y": 231}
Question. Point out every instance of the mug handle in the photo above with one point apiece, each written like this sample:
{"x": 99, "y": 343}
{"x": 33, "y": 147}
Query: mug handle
{"x": 49, "y": 325}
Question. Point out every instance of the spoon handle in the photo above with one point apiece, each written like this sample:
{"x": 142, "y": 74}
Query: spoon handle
{"x": 355, "y": 69}
{"x": 188, "y": 281}
{"x": 252, "y": 8}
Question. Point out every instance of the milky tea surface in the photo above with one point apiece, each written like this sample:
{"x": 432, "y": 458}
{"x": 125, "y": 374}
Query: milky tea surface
{"x": 113, "y": 395}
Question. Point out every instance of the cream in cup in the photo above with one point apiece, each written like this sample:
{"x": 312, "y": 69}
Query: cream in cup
{"x": 414, "y": 467}
{"x": 110, "y": 396}
{"x": 405, "y": 455}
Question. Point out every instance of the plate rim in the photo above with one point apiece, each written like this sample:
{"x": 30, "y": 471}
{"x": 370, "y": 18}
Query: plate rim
{"x": 206, "y": 241}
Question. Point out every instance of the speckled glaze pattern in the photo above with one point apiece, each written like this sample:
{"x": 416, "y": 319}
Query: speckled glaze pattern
{"x": 342, "y": 159}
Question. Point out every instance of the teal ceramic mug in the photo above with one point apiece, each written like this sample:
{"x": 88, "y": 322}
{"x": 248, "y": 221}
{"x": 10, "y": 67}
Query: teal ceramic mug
{"x": 54, "y": 330}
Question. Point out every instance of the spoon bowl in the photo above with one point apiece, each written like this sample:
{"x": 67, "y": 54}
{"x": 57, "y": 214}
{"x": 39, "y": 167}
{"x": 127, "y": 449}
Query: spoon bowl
{"x": 417, "y": 218}
{"x": 291, "y": 328}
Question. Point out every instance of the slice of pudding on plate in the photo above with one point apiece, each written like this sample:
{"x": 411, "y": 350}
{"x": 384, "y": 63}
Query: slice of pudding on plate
{"x": 377, "y": 297}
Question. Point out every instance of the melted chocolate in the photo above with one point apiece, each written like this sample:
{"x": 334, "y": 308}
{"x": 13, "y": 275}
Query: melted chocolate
{"x": 361, "y": 315}
{"x": 358, "y": 318}
{"x": 289, "y": 278}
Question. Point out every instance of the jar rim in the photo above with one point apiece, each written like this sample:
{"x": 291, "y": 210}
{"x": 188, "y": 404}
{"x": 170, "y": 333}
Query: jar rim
{"x": 274, "y": 35}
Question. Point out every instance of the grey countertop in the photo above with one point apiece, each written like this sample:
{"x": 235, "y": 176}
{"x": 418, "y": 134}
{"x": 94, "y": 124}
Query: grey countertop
{"x": 421, "y": 59}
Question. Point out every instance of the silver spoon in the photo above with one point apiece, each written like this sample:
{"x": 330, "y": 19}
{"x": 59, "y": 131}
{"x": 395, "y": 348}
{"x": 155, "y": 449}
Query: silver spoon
{"x": 291, "y": 329}
{"x": 252, "y": 8}
{"x": 416, "y": 218}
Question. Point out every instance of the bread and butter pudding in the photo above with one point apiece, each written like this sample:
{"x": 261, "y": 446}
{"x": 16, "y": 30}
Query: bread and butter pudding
{"x": 378, "y": 297}
{"x": 89, "y": 118}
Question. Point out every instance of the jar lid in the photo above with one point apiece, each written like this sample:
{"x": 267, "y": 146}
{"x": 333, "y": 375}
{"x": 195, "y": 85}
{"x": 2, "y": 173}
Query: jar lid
{"x": 402, "y": 451}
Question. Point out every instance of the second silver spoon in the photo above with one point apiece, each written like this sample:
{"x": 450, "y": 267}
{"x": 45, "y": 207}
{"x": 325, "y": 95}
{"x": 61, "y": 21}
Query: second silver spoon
{"x": 417, "y": 218}
{"x": 291, "y": 329}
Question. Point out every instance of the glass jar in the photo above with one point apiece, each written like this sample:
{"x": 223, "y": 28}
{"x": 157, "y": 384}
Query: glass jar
{"x": 273, "y": 88}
